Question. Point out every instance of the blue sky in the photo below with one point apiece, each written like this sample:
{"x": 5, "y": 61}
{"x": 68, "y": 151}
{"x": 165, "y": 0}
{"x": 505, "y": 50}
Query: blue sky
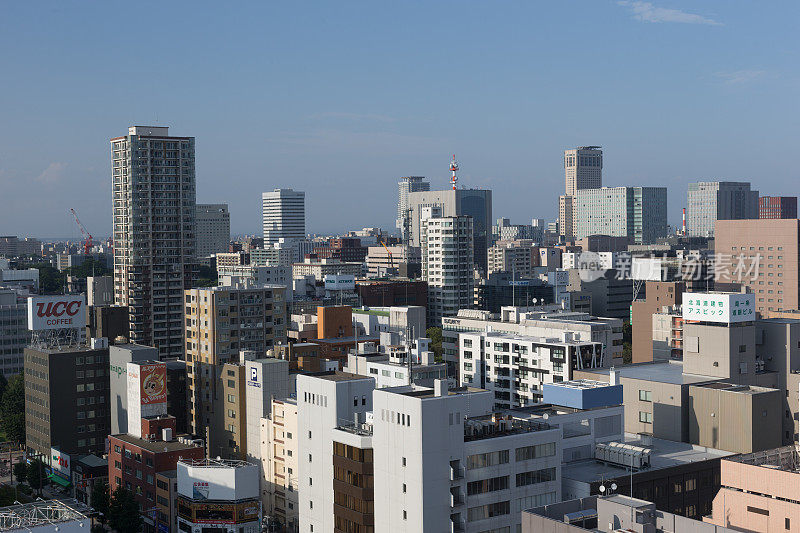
{"x": 341, "y": 98}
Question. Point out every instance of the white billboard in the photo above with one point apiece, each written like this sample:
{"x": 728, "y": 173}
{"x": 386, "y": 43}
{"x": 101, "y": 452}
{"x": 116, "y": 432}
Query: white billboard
{"x": 218, "y": 481}
{"x": 340, "y": 282}
{"x": 59, "y": 463}
{"x": 726, "y": 308}
{"x": 56, "y": 312}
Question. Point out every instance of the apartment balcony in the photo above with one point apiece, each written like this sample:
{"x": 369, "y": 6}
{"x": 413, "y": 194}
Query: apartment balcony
{"x": 456, "y": 471}
{"x": 456, "y": 497}
{"x": 457, "y": 524}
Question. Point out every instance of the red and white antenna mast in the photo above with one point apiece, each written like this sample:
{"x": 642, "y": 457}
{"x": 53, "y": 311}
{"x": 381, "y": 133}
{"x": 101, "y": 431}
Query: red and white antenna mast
{"x": 453, "y": 170}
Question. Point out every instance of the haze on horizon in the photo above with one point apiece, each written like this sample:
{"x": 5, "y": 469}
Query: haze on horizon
{"x": 341, "y": 99}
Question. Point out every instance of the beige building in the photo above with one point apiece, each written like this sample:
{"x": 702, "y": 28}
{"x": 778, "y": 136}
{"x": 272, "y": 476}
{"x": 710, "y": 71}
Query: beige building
{"x": 279, "y": 439}
{"x": 519, "y": 256}
{"x": 319, "y": 268}
{"x": 221, "y": 322}
{"x": 759, "y": 491}
{"x": 566, "y": 216}
{"x": 773, "y": 245}
{"x": 583, "y": 169}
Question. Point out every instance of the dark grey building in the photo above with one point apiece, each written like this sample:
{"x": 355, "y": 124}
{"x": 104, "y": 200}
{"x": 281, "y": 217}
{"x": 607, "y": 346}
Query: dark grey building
{"x": 67, "y": 400}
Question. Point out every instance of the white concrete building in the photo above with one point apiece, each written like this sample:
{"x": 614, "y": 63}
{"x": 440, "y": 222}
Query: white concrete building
{"x": 218, "y": 495}
{"x": 546, "y": 323}
{"x": 324, "y": 402}
{"x": 405, "y": 186}
{"x": 447, "y": 262}
{"x": 283, "y": 215}
{"x": 515, "y": 367}
{"x": 255, "y": 276}
{"x": 285, "y": 252}
{"x": 279, "y": 460}
{"x": 213, "y": 229}
{"x": 445, "y": 462}
{"x": 395, "y": 319}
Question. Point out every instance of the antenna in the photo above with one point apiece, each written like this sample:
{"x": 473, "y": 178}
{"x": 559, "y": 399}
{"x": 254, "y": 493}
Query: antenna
{"x": 453, "y": 170}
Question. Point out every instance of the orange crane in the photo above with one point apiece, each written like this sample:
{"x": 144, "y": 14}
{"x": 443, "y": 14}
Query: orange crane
{"x": 391, "y": 259}
{"x": 87, "y": 237}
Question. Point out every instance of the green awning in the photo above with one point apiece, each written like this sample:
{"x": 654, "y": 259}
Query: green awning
{"x": 59, "y": 480}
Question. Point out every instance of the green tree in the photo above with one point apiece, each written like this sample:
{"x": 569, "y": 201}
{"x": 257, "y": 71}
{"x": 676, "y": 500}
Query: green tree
{"x": 3, "y": 385}
{"x": 123, "y": 512}
{"x": 12, "y": 410}
{"x": 100, "y": 500}
{"x": 21, "y": 472}
{"x": 7, "y": 495}
{"x": 36, "y": 474}
{"x": 51, "y": 281}
{"x": 627, "y": 343}
{"x": 207, "y": 277}
{"x": 435, "y": 335}
{"x": 90, "y": 267}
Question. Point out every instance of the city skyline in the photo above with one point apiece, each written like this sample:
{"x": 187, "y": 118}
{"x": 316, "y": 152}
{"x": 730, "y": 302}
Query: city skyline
{"x": 277, "y": 98}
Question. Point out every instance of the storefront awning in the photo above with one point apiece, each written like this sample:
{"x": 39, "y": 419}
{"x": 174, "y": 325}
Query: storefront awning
{"x": 59, "y": 480}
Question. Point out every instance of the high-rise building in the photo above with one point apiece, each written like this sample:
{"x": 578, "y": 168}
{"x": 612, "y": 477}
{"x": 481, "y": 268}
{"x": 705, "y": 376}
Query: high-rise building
{"x": 777, "y": 207}
{"x": 762, "y": 255}
{"x": 221, "y": 322}
{"x": 14, "y": 334}
{"x": 154, "y": 233}
{"x": 404, "y": 187}
{"x": 583, "y": 169}
{"x": 710, "y": 201}
{"x": 476, "y": 203}
{"x": 447, "y": 263}
{"x": 213, "y": 229}
{"x": 566, "y": 216}
{"x": 283, "y": 215}
{"x": 639, "y": 213}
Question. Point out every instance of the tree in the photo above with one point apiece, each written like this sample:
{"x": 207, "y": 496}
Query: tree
{"x": 36, "y": 474}
{"x": 21, "y": 472}
{"x": 12, "y": 410}
{"x": 89, "y": 267}
{"x": 627, "y": 343}
{"x": 51, "y": 281}
{"x": 100, "y": 500}
{"x": 207, "y": 277}
{"x": 3, "y": 385}
{"x": 7, "y": 495}
{"x": 123, "y": 512}
{"x": 435, "y": 335}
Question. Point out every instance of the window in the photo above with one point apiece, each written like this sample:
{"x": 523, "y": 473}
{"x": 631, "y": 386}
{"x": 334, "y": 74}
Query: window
{"x": 488, "y": 511}
{"x": 483, "y": 460}
{"x": 485, "y": 485}
{"x": 536, "y": 476}
{"x": 645, "y": 395}
{"x": 757, "y": 510}
{"x": 645, "y": 417}
{"x": 536, "y": 451}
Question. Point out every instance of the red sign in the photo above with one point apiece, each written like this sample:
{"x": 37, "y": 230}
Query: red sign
{"x": 55, "y": 312}
{"x": 153, "y": 383}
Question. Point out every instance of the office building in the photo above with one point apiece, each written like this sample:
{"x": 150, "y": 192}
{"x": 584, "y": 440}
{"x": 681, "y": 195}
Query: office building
{"x": 255, "y": 276}
{"x": 283, "y": 215}
{"x": 14, "y": 334}
{"x": 639, "y": 213}
{"x": 406, "y": 186}
{"x": 502, "y": 289}
{"x": 447, "y": 263}
{"x": 759, "y": 491}
{"x": 324, "y": 402}
{"x": 154, "y": 233}
{"x": 710, "y": 201}
{"x": 23, "y": 278}
{"x": 516, "y": 367}
{"x": 475, "y": 203}
{"x": 119, "y": 357}
{"x": 566, "y": 217}
{"x": 280, "y": 458}
{"x": 620, "y": 512}
{"x": 99, "y": 290}
{"x": 762, "y": 255}
{"x": 320, "y": 268}
{"x": 583, "y": 169}
{"x": 221, "y": 323}
{"x": 385, "y": 261}
{"x": 135, "y": 463}
{"x": 534, "y": 322}
{"x": 392, "y": 292}
{"x": 518, "y": 256}
{"x": 107, "y": 321}
{"x": 777, "y": 207}
{"x": 213, "y": 229}
{"x": 218, "y": 495}
{"x": 658, "y": 294}
{"x": 282, "y": 253}
{"x": 346, "y": 249}
{"x": 67, "y": 400}
{"x": 504, "y": 230}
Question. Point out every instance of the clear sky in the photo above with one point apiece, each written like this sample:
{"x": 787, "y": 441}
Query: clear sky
{"x": 341, "y": 98}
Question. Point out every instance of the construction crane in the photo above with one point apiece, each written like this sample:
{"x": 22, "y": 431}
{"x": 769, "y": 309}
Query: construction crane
{"x": 391, "y": 259}
{"x": 87, "y": 237}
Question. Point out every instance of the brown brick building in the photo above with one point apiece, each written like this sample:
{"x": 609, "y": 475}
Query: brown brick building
{"x": 394, "y": 292}
{"x": 658, "y": 294}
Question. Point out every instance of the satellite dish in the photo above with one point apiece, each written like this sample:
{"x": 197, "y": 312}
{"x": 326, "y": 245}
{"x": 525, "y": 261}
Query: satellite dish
{"x": 602, "y": 488}
{"x": 546, "y": 416}
{"x": 613, "y": 486}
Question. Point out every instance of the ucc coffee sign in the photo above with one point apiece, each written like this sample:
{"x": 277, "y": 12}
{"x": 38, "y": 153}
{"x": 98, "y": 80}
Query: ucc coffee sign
{"x": 56, "y": 312}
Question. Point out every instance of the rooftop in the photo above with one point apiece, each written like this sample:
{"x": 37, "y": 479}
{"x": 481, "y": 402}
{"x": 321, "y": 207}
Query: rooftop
{"x": 217, "y": 463}
{"x": 663, "y": 454}
{"x": 786, "y": 458}
{"x": 154, "y": 446}
{"x": 660, "y": 372}
{"x": 41, "y": 513}
{"x": 335, "y": 375}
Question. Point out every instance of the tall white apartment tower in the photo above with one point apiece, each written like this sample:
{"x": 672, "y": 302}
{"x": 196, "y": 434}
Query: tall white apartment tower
{"x": 405, "y": 186}
{"x": 213, "y": 229}
{"x": 153, "y": 177}
{"x": 283, "y": 215}
{"x": 447, "y": 262}
{"x": 583, "y": 169}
